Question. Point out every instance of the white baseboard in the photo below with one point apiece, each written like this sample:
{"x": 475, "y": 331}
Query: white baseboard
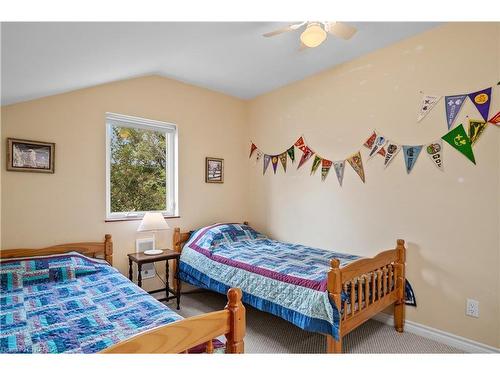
{"x": 462, "y": 343}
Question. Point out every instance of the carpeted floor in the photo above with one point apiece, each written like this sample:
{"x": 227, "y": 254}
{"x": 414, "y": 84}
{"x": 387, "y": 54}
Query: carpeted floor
{"x": 269, "y": 334}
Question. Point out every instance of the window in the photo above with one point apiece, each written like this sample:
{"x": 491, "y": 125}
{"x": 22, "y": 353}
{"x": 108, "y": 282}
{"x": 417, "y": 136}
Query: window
{"x": 141, "y": 167}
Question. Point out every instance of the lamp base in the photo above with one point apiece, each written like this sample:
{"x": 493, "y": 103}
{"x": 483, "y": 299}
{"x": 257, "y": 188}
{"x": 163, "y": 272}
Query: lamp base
{"x": 153, "y": 252}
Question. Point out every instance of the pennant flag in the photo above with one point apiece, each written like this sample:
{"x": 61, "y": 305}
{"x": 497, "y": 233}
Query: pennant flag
{"x": 411, "y": 154}
{"x": 495, "y": 120}
{"x": 435, "y": 152}
{"x": 392, "y": 151}
{"x": 259, "y": 155}
{"x": 307, "y": 153}
{"x": 453, "y": 105}
{"x": 339, "y": 170}
{"x": 300, "y": 144}
{"x": 357, "y": 164}
{"x": 283, "y": 160}
{"x": 274, "y": 161}
{"x": 325, "y": 168}
{"x": 379, "y": 143}
{"x": 291, "y": 153}
{"x": 476, "y": 128}
{"x": 316, "y": 163}
{"x": 252, "y": 149}
{"x": 458, "y": 139}
{"x": 428, "y": 102}
{"x": 481, "y": 100}
{"x": 371, "y": 140}
{"x": 267, "y": 159}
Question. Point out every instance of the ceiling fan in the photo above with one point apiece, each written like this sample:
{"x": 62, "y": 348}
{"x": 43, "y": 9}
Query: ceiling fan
{"x": 315, "y": 32}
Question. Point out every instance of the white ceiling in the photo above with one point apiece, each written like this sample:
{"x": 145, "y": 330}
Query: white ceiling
{"x": 40, "y": 59}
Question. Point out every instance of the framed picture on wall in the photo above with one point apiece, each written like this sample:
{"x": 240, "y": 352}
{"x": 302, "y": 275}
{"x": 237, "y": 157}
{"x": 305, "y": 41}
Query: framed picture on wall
{"x": 30, "y": 156}
{"x": 214, "y": 170}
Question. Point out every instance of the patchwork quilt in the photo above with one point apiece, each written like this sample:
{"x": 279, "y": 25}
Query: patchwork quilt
{"x": 287, "y": 280}
{"x": 71, "y": 304}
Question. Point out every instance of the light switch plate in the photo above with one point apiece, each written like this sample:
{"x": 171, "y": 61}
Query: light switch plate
{"x": 472, "y": 308}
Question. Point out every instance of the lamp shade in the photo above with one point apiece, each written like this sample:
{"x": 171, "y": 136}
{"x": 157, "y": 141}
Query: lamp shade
{"x": 153, "y": 221}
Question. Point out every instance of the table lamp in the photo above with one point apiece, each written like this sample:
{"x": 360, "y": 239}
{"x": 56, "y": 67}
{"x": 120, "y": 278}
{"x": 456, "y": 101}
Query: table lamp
{"x": 153, "y": 222}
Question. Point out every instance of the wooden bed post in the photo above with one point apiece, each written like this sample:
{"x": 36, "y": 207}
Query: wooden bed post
{"x": 335, "y": 291}
{"x": 108, "y": 249}
{"x": 237, "y": 324}
{"x": 399, "y": 305}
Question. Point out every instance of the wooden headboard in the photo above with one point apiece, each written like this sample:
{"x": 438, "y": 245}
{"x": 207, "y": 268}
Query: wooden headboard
{"x": 180, "y": 238}
{"x": 102, "y": 250}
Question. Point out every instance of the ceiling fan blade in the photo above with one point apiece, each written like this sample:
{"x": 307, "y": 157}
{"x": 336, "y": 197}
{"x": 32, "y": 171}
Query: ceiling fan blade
{"x": 284, "y": 30}
{"x": 341, "y": 30}
{"x": 277, "y": 32}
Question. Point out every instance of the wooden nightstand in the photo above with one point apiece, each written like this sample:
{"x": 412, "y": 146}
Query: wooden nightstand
{"x": 141, "y": 258}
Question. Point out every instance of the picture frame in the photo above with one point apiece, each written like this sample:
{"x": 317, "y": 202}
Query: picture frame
{"x": 30, "y": 156}
{"x": 214, "y": 170}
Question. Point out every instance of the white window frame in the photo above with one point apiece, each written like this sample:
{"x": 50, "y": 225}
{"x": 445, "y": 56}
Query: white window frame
{"x": 171, "y": 165}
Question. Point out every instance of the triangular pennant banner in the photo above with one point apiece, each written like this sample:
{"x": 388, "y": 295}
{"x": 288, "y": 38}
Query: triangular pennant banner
{"x": 411, "y": 154}
{"x": 291, "y": 153}
{"x": 316, "y": 163}
{"x": 283, "y": 158}
{"x": 378, "y": 145}
{"x": 300, "y": 144}
{"x": 428, "y": 102}
{"x": 252, "y": 149}
{"x": 482, "y": 100}
{"x": 392, "y": 151}
{"x": 306, "y": 155}
{"x": 371, "y": 140}
{"x": 339, "y": 170}
{"x": 259, "y": 155}
{"x": 267, "y": 159}
{"x": 325, "y": 168}
{"x": 274, "y": 162}
{"x": 476, "y": 128}
{"x": 357, "y": 164}
{"x": 459, "y": 139}
{"x": 453, "y": 105}
{"x": 495, "y": 120}
{"x": 435, "y": 152}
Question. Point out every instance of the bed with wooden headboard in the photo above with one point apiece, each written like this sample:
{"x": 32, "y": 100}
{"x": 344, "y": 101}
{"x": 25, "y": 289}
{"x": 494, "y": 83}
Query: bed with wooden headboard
{"x": 374, "y": 283}
{"x": 176, "y": 337}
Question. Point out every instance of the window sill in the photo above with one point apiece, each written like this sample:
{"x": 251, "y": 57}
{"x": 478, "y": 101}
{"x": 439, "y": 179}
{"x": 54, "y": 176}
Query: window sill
{"x": 135, "y": 218}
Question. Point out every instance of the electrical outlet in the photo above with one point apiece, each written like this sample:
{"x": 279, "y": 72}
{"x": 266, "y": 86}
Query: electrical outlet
{"x": 148, "y": 271}
{"x": 472, "y": 308}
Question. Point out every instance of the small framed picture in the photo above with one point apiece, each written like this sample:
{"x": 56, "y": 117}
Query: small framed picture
{"x": 30, "y": 156}
{"x": 214, "y": 170}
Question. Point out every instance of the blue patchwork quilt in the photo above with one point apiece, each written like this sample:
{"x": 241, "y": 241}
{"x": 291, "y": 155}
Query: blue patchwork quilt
{"x": 72, "y": 304}
{"x": 287, "y": 280}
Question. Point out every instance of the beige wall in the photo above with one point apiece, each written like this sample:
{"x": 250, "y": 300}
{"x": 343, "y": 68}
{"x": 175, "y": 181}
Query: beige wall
{"x": 42, "y": 209}
{"x": 450, "y": 220}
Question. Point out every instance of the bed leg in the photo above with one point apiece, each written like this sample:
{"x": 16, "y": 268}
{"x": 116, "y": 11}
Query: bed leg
{"x": 333, "y": 346}
{"x": 237, "y": 324}
{"x": 399, "y": 305}
{"x": 399, "y": 316}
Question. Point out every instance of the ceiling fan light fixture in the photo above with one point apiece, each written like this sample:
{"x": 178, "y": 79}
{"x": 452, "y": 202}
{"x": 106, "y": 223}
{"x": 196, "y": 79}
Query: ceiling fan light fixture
{"x": 313, "y": 35}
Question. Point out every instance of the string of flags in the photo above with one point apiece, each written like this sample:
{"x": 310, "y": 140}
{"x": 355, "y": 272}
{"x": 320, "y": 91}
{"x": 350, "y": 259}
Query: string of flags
{"x": 454, "y": 103}
{"x": 380, "y": 145}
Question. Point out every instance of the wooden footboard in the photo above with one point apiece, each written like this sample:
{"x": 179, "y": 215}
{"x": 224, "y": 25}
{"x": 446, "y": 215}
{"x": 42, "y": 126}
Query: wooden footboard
{"x": 182, "y": 335}
{"x": 364, "y": 288}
